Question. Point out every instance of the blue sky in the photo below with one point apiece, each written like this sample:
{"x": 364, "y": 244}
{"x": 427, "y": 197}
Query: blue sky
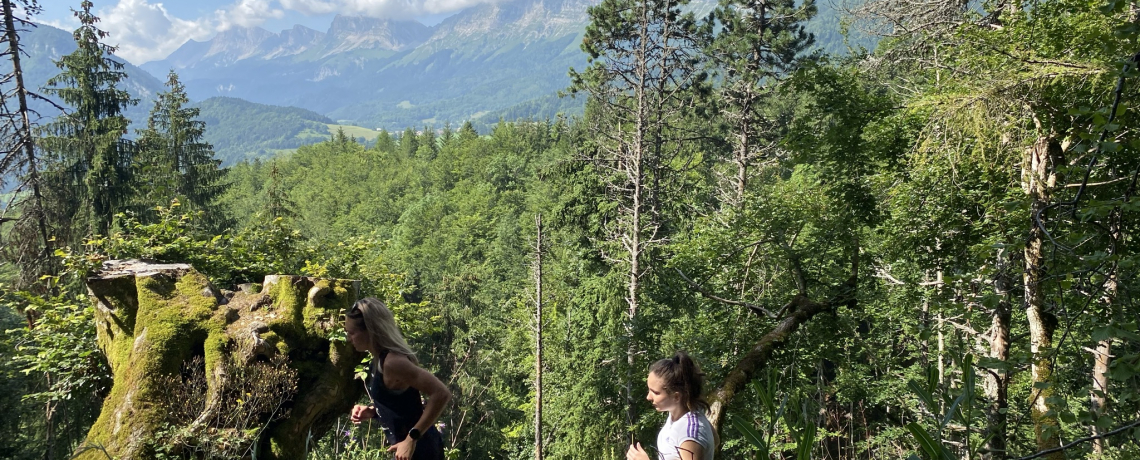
{"x": 147, "y": 30}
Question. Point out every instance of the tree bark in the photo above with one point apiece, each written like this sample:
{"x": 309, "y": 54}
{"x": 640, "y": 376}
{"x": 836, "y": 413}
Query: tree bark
{"x": 25, "y": 141}
{"x": 1039, "y": 178}
{"x": 538, "y": 338}
{"x": 151, "y": 319}
{"x": 996, "y": 384}
{"x": 1098, "y": 394}
{"x": 801, "y": 310}
{"x": 1102, "y": 355}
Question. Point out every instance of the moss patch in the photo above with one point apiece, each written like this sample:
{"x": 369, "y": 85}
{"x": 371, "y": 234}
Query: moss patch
{"x": 153, "y": 322}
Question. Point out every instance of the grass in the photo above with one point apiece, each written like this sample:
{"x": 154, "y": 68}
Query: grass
{"x": 355, "y": 131}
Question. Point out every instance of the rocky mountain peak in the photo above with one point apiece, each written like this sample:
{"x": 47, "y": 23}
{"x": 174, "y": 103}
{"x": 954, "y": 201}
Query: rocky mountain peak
{"x": 531, "y": 19}
{"x": 355, "y": 32}
{"x": 292, "y": 42}
{"x": 238, "y": 43}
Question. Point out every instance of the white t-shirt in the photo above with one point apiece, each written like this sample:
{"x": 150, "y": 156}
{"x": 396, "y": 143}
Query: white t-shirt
{"x": 693, "y": 426}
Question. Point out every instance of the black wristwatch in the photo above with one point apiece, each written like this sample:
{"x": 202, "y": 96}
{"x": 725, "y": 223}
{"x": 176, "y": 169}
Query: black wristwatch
{"x": 414, "y": 433}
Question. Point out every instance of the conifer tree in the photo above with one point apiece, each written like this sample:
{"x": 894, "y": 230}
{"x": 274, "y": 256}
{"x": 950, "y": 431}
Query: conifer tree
{"x": 278, "y": 206}
{"x": 467, "y": 132}
{"x": 758, "y": 43}
{"x": 28, "y": 244}
{"x": 384, "y": 142}
{"x": 409, "y": 143}
{"x": 88, "y": 174}
{"x": 426, "y": 147}
{"x": 174, "y": 161}
{"x": 643, "y": 81}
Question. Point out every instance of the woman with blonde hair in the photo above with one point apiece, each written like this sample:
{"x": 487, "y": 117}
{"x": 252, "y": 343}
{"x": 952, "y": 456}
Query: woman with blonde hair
{"x": 395, "y": 384}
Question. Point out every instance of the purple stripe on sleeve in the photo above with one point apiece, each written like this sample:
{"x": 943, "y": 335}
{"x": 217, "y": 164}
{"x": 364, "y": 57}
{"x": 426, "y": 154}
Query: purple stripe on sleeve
{"x": 694, "y": 425}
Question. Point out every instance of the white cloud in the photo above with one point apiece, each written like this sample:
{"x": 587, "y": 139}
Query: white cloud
{"x": 65, "y": 25}
{"x": 398, "y": 9}
{"x": 311, "y": 7}
{"x": 145, "y": 32}
{"x": 246, "y": 13}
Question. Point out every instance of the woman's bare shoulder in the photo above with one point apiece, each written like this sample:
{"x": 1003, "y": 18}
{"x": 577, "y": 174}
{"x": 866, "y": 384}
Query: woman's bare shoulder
{"x": 397, "y": 364}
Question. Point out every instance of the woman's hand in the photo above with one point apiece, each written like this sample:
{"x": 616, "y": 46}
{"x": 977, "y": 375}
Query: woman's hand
{"x": 361, "y": 413}
{"x": 404, "y": 449}
{"x": 635, "y": 452}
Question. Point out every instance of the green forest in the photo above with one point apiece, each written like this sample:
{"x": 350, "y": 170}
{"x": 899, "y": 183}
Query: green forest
{"x": 925, "y": 250}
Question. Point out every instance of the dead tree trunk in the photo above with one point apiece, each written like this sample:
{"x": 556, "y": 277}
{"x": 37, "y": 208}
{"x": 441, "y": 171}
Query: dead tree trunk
{"x": 641, "y": 78}
{"x": 1039, "y": 178}
{"x": 31, "y": 256}
{"x": 1102, "y": 355}
{"x": 996, "y": 384}
{"x": 154, "y": 319}
{"x": 538, "y": 338}
{"x": 802, "y": 311}
{"x": 1098, "y": 394}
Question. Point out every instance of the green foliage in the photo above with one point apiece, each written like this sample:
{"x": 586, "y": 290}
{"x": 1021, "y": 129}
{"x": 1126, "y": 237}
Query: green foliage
{"x": 784, "y": 426}
{"x": 87, "y": 172}
{"x": 61, "y": 345}
{"x": 363, "y": 441}
{"x": 888, "y": 190}
{"x": 958, "y": 407}
{"x": 228, "y": 259}
{"x": 173, "y": 160}
{"x": 57, "y": 374}
{"x": 240, "y": 130}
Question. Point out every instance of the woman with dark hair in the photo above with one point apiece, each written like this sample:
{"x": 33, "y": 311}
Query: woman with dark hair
{"x": 395, "y": 384}
{"x": 675, "y": 388}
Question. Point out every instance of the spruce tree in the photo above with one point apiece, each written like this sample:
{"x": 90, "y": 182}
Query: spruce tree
{"x": 174, "y": 161}
{"x": 409, "y": 143}
{"x": 88, "y": 172}
{"x": 384, "y": 142}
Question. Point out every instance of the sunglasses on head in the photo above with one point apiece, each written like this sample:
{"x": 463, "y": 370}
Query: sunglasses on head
{"x": 354, "y": 311}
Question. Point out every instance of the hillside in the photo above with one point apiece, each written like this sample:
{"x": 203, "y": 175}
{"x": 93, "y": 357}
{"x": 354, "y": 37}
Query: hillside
{"x": 496, "y": 60}
{"x": 491, "y": 62}
{"x": 241, "y": 130}
{"x": 45, "y": 44}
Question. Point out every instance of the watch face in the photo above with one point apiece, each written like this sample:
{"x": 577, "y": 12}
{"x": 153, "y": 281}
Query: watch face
{"x": 414, "y": 433}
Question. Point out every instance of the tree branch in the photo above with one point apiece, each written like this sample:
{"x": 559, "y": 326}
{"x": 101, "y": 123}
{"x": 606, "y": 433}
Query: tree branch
{"x": 755, "y": 308}
{"x": 1081, "y": 441}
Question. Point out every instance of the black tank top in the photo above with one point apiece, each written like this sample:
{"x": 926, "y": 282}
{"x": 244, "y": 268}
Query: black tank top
{"x": 399, "y": 411}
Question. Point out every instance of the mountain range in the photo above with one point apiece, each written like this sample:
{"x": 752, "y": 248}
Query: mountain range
{"x": 393, "y": 74}
{"x": 494, "y": 61}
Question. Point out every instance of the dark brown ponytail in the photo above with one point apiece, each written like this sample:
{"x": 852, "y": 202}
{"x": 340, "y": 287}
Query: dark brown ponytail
{"x": 682, "y": 375}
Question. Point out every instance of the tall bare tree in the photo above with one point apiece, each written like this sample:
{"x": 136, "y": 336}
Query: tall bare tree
{"x": 757, "y": 44}
{"x": 1039, "y": 178}
{"x": 643, "y": 80}
{"x": 538, "y": 337}
{"x": 29, "y": 244}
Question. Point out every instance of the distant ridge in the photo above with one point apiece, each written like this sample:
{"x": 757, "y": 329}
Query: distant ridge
{"x": 504, "y": 60}
{"x": 491, "y": 59}
{"x": 45, "y": 44}
{"x": 241, "y": 130}
{"x": 393, "y": 74}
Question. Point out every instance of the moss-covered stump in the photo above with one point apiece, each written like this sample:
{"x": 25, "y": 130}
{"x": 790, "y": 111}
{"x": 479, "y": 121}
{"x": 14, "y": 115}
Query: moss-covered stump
{"x": 201, "y": 372}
